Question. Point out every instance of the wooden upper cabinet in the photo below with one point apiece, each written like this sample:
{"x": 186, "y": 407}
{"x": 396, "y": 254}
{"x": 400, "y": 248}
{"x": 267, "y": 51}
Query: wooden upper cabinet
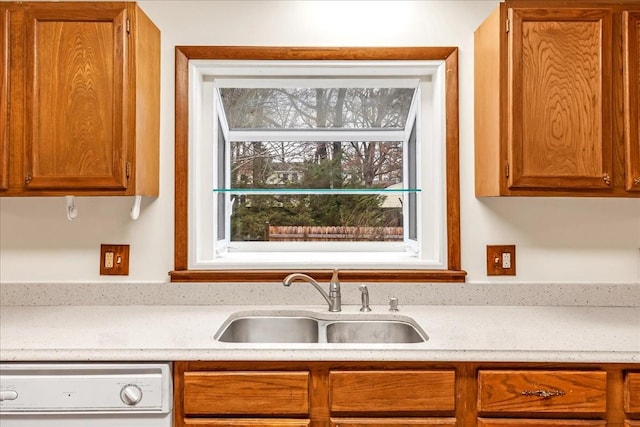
{"x": 548, "y": 100}
{"x": 631, "y": 24}
{"x": 89, "y": 78}
{"x": 76, "y": 133}
{"x": 560, "y": 98}
{"x": 4, "y": 98}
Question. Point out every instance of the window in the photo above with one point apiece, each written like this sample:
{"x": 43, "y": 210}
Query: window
{"x": 303, "y": 160}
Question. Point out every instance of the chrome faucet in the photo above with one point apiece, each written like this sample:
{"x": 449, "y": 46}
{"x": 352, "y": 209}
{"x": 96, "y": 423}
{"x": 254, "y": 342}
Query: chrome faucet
{"x": 334, "y": 298}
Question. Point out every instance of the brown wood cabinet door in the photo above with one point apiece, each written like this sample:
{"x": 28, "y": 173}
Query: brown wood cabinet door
{"x": 632, "y": 394}
{"x": 487, "y": 422}
{"x": 559, "y": 109}
{"x": 75, "y": 123}
{"x": 632, "y": 98}
{"x": 246, "y": 393}
{"x": 395, "y": 422}
{"x": 530, "y": 393}
{"x": 392, "y": 392}
{"x": 246, "y": 422}
{"x": 4, "y": 98}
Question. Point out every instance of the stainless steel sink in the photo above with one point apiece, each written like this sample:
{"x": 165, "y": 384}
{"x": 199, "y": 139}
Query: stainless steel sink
{"x": 311, "y": 327}
{"x": 373, "y": 331}
{"x": 271, "y": 329}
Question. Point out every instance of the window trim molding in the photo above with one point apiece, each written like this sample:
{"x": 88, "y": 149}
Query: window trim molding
{"x": 183, "y": 54}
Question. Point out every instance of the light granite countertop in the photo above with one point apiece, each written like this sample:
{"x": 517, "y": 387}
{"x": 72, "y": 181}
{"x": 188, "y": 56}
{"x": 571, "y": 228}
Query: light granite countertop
{"x": 186, "y": 332}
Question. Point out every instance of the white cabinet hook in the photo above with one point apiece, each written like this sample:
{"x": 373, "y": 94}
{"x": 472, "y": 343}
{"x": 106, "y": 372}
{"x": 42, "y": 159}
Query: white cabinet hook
{"x": 135, "y": 210}
{"x": 72, "y": 212}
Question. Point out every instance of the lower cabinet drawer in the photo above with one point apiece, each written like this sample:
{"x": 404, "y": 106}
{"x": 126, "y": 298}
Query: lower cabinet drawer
{"x": 393, "y": 422}
{"x": 539, "y": 423}
{"x": 518, "y": 392}
{"x": 629, "y": 423}
{"x": 271, "y": 393}
{"x": 246, "y": 422}
{"x": 392, "y": 392}
{"x": 632, "y": 393}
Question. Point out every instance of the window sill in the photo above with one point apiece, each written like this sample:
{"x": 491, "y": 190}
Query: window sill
{"x": 315, "y": 258}
{"x": 350, "y": 275}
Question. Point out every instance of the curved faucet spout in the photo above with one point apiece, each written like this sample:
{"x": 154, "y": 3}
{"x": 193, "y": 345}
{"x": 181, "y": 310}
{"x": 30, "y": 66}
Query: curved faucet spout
{"x": 333, "y": 298}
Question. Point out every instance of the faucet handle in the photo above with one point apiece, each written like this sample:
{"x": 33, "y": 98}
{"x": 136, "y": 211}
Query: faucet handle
{"x": 334, "y": 284}
{"x": 393, "y": 304}
{"x": 364, "y": 298}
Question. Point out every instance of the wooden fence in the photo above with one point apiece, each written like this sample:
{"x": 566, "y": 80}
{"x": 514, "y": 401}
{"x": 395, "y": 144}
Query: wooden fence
{"x": 298, "y": 233}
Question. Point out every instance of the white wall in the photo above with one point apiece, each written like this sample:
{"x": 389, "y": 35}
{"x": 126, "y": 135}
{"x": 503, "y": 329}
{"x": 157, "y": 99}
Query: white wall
{"x": 558, "y": 240}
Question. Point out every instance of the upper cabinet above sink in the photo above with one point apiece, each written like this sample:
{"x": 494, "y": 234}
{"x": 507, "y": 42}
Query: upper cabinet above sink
{"x": 556, "y": 100}
{"x": 80, "y": 93}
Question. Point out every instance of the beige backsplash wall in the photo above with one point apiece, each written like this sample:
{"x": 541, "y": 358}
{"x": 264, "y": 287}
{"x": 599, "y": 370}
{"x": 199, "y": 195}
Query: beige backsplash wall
{"x": 559, "y": 241}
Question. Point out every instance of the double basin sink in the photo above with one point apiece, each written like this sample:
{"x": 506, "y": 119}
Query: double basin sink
{"x": 311, "y": 327}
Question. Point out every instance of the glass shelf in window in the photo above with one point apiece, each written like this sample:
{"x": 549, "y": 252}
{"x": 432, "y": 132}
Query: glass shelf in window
{"x": 249, "y": 191}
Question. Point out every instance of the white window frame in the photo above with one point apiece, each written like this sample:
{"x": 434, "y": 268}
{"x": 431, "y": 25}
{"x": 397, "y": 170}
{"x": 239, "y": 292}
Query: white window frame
{"x": 430, "y": 252}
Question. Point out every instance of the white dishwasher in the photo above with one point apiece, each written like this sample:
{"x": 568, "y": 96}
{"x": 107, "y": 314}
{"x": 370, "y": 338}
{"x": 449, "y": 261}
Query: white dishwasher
{"x": 86, "y": 394}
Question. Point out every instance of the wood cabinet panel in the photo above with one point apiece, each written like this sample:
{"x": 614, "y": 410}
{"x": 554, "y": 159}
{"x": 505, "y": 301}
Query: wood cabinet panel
{"x": 231, "y": 393}
{"x": 246, "y": 393}
{"x": 391, "y": 391}
{"x": 560, "y": 98}
{"x": 4, "y": 98}
{"x": 556, "y": 100}
{"x": 487, "y": 422}
{"x": 632, "y": 98}
{"x": 84, "y": 99}
{"x": 632, "y": 393}
{"x": 395, "y": 422}
{"x": 536, "y": 392}
{"x": 246, "y": 422}
{"x": 76, "y": 133}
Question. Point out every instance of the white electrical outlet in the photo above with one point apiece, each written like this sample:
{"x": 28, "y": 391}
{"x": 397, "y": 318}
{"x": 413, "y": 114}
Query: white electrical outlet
{"x": 506, "y": 260}
{"x": 108, "y": 260}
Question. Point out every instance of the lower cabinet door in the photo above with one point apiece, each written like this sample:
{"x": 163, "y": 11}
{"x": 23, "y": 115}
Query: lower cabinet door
{"x": 487, "y": 422}
{"x": 630, "y": 423}
{"x": 528, "y": 393}
{"x": 230, "y": 422}
{"x": 253, "y": 394}
{"x": 395, "y": 422}
{"x": 632, "y": 394}
{"x": 400, "y": 393}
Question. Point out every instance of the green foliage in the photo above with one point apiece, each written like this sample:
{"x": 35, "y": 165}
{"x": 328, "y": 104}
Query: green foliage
{"x": 252, "y": 214}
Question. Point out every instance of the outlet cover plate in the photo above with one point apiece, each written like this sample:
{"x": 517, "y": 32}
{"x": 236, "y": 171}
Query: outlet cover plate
{"x": 495, "y": 257}
{"x": 114, "y": 260}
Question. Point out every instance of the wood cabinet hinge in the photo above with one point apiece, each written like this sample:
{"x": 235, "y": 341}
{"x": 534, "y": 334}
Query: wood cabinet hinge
{"x": 128, "y": 26}
{"x": 506, "y": 169}
{"x": 28, "y": 178}
{"x": 128, "y": 170}
{"x": 507, "y": 25}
